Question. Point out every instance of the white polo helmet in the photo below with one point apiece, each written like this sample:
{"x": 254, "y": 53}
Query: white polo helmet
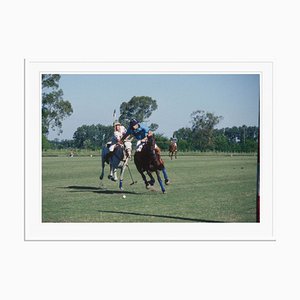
{"x": 116, "y": 123}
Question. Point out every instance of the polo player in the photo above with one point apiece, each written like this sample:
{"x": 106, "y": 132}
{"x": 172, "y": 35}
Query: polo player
{"x": 142, "y": 133}
{"x": 119, "y": 131}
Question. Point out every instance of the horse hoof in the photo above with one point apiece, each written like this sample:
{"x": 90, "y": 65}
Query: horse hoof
{"x": 167, "y": 182}
{"x": 101, "y": 177}
{"x": 111, "y": 178}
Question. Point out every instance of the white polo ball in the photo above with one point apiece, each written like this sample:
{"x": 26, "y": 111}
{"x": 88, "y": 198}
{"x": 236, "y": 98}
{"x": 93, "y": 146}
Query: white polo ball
{"x": 124, "y": 196}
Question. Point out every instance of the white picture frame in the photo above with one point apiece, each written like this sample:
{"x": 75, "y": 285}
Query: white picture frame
{"x": 36, "y": 230}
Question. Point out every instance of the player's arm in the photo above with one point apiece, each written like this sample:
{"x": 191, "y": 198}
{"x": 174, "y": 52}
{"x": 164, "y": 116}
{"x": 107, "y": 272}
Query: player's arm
{"x": 125, "y": 135}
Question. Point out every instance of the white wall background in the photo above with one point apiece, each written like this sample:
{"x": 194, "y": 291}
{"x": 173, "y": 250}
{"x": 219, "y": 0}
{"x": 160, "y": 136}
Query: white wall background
{"x": 150, "y": 31}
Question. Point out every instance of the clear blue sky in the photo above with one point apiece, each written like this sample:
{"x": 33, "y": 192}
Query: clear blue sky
{"x": 94, "y": 97}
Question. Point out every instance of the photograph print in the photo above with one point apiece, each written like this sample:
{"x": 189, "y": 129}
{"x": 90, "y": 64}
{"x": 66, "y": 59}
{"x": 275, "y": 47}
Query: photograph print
{"x": 150, "y": 147}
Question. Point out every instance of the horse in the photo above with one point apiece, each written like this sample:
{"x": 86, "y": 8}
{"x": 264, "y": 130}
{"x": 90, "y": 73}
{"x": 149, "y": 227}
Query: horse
{"x": 173, "y": 150}
{"x": 145, "y": 162}
{"x": 119, "y": 160}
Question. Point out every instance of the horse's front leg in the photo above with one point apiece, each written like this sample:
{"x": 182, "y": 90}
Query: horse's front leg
{"x": 113, "y": 173}
{"x": 152, "y": 180}
{"x": 122, "y": 174}
{"x": 115, "y": 177}
{"x": 102, "y": 172}
{"x": 144, "y": 179}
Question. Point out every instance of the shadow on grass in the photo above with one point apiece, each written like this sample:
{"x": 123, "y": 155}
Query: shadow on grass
{"x": 158, "y": 216}
{"x": 98, "y": 190}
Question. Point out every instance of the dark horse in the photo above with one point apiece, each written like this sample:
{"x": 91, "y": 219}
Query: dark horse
{"x": 173, "y": 150}
{"x": 146, "y": 161}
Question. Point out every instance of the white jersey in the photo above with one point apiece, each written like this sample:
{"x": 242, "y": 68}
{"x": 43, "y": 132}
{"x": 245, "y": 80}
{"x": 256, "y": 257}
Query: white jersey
{"x": 118, "y": 135}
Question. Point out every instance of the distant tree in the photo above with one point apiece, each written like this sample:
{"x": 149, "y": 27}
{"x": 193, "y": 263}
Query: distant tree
{"x": 203, "y": 124}
{"x": 250, "y": 146}
{"x": 54, "y": 108}
{"x": 80, "y": 135}
{"x": 183, "y": 133}
{"x": 162, "y": 141}
{"x": 67, "y": 144}
{"x": 92, "y": 136}
{"x": 234, "y": 139}
{"x": 153, "y": 126}
{"x": 220, "y": 141}
{"x": 183, "y": 145}
{"x": 139, "y": 108}
{"x": 252, "y": 133}
{"x": 237, "y": 139}
{"x": 184, "y": 137}
{"x": 45, "y": 143}
{"x": 233, "y": 134}
{"x": 88, "y": 144}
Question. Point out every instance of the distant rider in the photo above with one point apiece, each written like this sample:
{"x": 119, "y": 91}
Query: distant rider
{"x": 174, "y": 141}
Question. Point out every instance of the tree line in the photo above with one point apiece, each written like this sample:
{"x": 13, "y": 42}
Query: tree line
{"x": 201, "y": 136}
{"x": 234, "y": 139}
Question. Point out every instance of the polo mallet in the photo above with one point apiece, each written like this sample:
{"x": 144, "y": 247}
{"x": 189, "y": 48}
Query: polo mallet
{"x": 133, "y": 182}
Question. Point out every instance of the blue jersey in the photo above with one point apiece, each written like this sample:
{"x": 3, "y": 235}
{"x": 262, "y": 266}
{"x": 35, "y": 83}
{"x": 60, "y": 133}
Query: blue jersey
{"x": 139, "y": 133}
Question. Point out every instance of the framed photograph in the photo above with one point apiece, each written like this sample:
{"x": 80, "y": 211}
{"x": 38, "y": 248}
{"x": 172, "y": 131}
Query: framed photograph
{"x": 148, "y": 151}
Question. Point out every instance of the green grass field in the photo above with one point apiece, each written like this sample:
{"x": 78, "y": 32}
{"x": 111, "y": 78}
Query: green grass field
{"x": 203, "y": 189}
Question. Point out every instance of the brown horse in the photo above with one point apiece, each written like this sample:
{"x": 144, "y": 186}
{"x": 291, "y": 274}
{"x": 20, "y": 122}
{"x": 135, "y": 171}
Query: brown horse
{"x": 146, "y": 161}
{"x": 173, "y": 150}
